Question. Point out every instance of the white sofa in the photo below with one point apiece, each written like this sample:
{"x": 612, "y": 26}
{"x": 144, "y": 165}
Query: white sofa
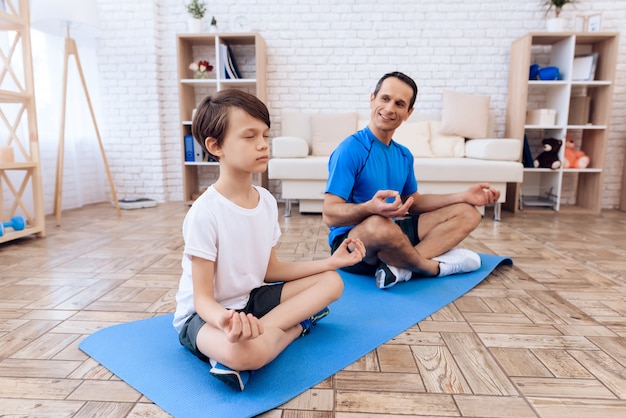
{"x": 443, "y": 163}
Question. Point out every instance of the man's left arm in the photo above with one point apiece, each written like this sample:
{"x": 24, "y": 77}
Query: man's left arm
{"x": 480, "y": 194}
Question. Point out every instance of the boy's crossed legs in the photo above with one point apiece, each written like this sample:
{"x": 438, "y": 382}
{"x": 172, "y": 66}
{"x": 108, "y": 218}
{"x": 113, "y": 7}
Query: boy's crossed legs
{"x": 284, "y": 316}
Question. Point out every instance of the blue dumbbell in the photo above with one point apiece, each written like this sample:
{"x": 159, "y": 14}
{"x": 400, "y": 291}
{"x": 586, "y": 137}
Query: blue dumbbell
{"x": 17, "y": 223}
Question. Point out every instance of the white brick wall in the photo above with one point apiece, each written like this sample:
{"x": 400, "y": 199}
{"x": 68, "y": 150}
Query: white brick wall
{"x": 321, "y": 56}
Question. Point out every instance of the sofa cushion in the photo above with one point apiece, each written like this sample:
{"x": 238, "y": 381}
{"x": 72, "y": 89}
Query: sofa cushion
{"x": 310, "y": 168}
{"x": 466, "y": 115}
{"x": 329, "y": 129}
{"x": 505, "y": 149}
{"x": 416, "y": 137}
{"x": 289, "y": 147}
{"x": 468, "y": 170}
{"x": 443, "y": 145}
{"x": 296, "y": 124}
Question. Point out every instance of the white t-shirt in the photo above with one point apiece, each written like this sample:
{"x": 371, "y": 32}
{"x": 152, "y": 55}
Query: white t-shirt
{"x": 238, "y": 240}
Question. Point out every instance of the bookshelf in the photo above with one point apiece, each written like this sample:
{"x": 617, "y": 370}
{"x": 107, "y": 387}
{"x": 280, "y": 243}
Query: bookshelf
{"x": 545, "y": 187}
{"x": 249, "y": 52}
{"x": 21, "y": 192}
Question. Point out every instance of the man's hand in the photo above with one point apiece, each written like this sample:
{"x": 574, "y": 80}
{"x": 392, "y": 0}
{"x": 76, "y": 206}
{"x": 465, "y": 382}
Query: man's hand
{"x": 481, "y": 194}
{"x": 239, "y": 326}
{"x": 388, "y": 203}
{"x": 350, "y": 252}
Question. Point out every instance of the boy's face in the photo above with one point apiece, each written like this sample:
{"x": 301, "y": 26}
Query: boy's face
{"x": 390, "y": 107}
{"x": 245, "y": 146}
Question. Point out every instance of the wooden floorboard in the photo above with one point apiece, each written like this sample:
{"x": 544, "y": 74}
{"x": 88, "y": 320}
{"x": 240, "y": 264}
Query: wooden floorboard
{"x": 545, "y": 337}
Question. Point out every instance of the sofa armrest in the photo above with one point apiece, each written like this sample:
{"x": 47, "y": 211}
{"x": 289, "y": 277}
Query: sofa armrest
{"x": 500, "y": 149}
{"x": 289, "y": 147}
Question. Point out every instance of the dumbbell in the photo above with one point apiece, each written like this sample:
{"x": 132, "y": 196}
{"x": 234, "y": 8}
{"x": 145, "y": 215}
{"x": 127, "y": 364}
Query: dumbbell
{"x": 17, "y": 223}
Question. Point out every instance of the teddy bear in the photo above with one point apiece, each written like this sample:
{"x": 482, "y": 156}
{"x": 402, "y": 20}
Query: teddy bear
{"x": 549, "y": 157}
{"x": 574, "y": 158}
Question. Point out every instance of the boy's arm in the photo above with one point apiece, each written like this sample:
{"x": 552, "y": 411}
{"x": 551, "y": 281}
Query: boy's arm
{"x": 208, "y": 308}
{"x": 236, "y": 326}
{"x": 349, "y": 253}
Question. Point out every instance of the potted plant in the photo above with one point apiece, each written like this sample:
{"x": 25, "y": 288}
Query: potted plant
{"x": 213, "y": 27}
{"x": 197, "y": 9}
{"x": 557, "y": 23}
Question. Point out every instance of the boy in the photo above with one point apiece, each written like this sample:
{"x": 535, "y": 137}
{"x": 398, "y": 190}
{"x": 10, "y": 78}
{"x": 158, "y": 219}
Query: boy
{"x": 225, "y": 313}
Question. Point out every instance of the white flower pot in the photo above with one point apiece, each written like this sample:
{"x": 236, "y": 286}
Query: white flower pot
{"x": 195, "y": 25}
{"x": 555, "y": 24}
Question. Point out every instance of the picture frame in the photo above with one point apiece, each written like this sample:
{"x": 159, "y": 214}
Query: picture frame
{"x": 580, "y": 23}
{"x": 594, "y": 22}
{"x": 584, "y": 67}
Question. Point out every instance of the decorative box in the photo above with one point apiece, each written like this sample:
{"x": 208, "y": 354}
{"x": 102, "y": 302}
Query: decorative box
{"x": 541, "y": 117}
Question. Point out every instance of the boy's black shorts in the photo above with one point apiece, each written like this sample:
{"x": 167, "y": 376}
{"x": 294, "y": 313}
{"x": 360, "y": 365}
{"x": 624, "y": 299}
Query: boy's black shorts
{"x": 262, "y": 300}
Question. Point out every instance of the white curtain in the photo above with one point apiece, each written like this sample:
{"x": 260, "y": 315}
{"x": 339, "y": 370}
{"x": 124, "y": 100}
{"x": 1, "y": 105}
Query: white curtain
{"x": 84, "y": 178}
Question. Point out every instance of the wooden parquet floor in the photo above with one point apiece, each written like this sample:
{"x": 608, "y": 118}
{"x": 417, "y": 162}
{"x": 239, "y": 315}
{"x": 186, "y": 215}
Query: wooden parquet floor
{"x": 543, "y": 338}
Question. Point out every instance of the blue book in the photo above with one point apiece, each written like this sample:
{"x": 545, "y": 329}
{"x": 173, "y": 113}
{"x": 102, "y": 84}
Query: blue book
{"x": 527, "y": 158}
{"x": 189, "y": 155}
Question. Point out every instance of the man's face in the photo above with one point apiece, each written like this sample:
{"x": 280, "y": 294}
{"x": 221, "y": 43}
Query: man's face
{"x": 390, "y": 107}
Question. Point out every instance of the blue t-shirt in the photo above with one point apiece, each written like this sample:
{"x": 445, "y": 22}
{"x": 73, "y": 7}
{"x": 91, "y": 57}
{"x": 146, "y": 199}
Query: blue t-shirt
{"x": 362, "y": 165}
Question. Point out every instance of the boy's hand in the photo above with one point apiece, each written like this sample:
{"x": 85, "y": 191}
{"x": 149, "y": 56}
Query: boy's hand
{"x": 350, "y": 252}
{"x": 239, "y": 326}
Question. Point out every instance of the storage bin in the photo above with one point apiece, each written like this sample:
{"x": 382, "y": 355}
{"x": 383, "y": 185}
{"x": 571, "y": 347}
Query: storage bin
{"x": 541, "y": 117}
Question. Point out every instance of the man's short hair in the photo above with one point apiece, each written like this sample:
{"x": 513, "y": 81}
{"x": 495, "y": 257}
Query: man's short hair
{"x": 402, "y": 77}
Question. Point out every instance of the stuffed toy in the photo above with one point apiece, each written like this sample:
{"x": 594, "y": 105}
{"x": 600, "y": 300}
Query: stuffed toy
{"x": 549, "y": 157}
{"x": 574, "y": 158}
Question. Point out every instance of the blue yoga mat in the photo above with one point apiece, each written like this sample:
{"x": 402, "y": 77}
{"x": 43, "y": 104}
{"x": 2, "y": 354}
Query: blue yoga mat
{"x": 146, "y": 354}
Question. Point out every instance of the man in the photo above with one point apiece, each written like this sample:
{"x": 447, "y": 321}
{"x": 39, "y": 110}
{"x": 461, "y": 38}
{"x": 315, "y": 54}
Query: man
{"x": 371, "y": 187}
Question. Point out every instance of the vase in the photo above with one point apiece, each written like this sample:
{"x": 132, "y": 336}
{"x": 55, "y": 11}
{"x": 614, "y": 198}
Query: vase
{"x": 194, "y": 25}
{"x": 201, "y": 74}
{"x": 555, "y": 24}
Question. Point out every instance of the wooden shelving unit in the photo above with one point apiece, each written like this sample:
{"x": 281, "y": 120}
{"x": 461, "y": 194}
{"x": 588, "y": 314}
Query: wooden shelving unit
{"x": 21, "y": 191}
{"x": 622, "y": 202}
{"x": 544, "y": 187}
{"x": 250, "y": 52}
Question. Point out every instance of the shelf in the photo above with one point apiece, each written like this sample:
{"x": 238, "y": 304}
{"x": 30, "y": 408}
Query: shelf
{"x": 8, "y": 96}
{"x": 202, "y": 163}
{"x": 537, "y": 201}
{"x": 21, "y": 193}
{"x": 10, "y": 21}
{"x": 547, "y": 83}
{"x": 583, "y": 186}
{"x": 239, "y": 82}
{"x": 559, "y": 127}
{"x": 585, "y": 127}
{"x": 249, "y": 51}
{"x": 544, "y": 127}
{"x": 563, "y": 83}
{"x": 593, "y": 83}
{"x": 211, "y": 81}
{"x": 27, "y": 165}
{"x": 10, "y": 235}
{"x": 199, "y": 81}
{"x": 540, "y": 170}
{"x": 582, "y": 170}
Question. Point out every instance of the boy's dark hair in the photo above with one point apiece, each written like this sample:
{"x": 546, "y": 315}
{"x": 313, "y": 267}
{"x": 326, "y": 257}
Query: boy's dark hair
{"x": 211, "y": 118}
{"x": 402, "y": 77}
